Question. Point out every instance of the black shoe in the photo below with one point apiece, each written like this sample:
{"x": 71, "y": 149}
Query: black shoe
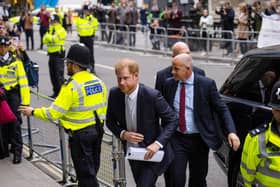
{"x": 52, "y": 96}
{"x": 17, "y": 159}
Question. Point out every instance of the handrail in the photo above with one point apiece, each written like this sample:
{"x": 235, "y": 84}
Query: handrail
{"x": 245, "y": 101}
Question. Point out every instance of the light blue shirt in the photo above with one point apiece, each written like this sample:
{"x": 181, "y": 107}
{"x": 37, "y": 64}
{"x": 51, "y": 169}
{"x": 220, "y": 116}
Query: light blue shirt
{"x": 189, "y": 113}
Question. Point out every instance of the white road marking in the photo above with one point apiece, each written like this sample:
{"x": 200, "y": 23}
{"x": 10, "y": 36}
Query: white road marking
{"x": 105, "y": 67}
{"x": 42, "y": 52}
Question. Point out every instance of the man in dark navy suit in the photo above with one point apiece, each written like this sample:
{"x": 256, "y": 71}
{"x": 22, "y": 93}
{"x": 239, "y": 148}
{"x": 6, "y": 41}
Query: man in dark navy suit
{"x": 133, "y": 116}
{"x": 195, "y": 98}
{"x": 162, "y": 75}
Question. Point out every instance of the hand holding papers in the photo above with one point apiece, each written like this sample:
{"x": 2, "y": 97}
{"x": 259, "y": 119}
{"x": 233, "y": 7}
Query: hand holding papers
{"x": 137, "y": 153}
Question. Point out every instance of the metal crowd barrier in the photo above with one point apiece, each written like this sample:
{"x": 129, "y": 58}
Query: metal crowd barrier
{"x": 46, "y": 143}
{"x": 215, "y": 40}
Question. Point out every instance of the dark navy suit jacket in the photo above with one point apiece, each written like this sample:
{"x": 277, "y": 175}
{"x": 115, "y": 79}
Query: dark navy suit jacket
{"x": 165, "y": 73}
{"x": 150, "y": 107}
{"x": 207, "y": 103}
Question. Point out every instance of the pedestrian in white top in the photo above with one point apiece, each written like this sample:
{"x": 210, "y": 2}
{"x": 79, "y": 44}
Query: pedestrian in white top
{"x": 206, "y": 30}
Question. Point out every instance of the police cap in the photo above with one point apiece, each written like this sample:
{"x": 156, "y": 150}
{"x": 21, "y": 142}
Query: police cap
{"x": 4, "y": 41}
{"x": 79, "y": 54}
{"x": 275, "y": 96}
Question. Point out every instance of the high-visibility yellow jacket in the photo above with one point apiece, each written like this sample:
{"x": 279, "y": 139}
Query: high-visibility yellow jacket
{"x": 260, "y": 162}
{"x": 87, "y": 26}
{"x": 55, "y": 38}
{"x": 60, "y": 15}
{"x": 12, "y": 74}
{"x": 83, "y": 94}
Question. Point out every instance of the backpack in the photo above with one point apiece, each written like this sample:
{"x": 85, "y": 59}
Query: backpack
{"x": 32, "y": 73}
{"x": 31, "y": 70}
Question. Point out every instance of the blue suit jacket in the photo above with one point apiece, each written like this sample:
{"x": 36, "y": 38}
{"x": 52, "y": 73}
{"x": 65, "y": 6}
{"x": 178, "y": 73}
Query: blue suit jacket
{"x": 207, "y": 103}
{"x": 150, "y": 107}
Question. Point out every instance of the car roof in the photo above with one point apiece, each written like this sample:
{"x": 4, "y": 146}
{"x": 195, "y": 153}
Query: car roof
{"x": 266, "y": 51}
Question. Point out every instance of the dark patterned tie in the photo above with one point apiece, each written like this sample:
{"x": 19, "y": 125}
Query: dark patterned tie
{"x": 182, "y": 119}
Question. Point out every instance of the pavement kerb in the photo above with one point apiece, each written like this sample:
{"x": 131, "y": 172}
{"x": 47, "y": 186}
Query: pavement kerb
{"x": 196, "y": 55}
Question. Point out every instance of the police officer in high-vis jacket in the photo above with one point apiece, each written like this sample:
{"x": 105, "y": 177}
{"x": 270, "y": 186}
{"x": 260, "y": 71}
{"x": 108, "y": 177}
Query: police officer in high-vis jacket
{"x": 87, "y": 25}
{"x": 260, "y": 162}
{"x": 80, "y": 107}
{"x": 55, "y": 41}
{"x": 15, "y": 83}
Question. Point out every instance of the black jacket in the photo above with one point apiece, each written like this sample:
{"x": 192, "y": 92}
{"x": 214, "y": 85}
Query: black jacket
{"x": 207, "y": 104}
{"x": 150, "y": 107}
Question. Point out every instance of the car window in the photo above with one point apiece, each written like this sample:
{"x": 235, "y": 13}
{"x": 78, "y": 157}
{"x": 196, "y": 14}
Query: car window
{"x": 247, "y": 72}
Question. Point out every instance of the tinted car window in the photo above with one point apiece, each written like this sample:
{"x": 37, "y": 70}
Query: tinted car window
{"x": 247, "y": 72}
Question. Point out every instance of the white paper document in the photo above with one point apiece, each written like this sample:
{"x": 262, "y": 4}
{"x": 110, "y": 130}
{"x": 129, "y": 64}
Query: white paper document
{"x": 137, "y": 153}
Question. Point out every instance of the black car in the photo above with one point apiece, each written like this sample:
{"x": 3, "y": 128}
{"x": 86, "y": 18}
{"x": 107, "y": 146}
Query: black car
{"x": 240, "y": 92}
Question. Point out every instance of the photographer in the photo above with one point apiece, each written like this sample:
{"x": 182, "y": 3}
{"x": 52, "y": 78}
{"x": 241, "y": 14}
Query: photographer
{"x": 227, "y": 23}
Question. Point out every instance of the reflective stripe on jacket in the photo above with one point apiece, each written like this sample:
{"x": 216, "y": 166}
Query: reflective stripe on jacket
{"x": 87, "y": 26}
{"x": 260, "y": 162}
{"x": 13, "y": 75}
{"x": 76, "y": 102}
{"x": 55, "y": 38}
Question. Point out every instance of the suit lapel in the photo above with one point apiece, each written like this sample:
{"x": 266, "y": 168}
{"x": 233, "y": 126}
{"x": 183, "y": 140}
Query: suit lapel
{"x": 139, "y": 108}
{"x": 121, "y": 108}
{"x": 196, "y": 92}
{"x": 173, "y": 88}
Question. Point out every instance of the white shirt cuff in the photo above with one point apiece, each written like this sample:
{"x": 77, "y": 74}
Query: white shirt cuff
{"x": 160, "y": 145}
{"x": 121, "y": 135}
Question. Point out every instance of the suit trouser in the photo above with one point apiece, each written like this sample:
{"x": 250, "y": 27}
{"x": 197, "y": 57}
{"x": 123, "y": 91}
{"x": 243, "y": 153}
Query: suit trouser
{"x": 11, "y": 133}
{"x": 188, "y": 149}
{"x": 85, "y": 149}
{"x": 143, "y": 175}
{"x": 56, "y": 70}
{"x": 89, "y": 42}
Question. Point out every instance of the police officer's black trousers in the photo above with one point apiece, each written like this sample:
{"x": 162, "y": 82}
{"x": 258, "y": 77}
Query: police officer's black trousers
{"x": 89, "y": 42}
{"x": 85, "y": 150}
{"x": 11, "y": 133}
{"x": 56, "y": 69}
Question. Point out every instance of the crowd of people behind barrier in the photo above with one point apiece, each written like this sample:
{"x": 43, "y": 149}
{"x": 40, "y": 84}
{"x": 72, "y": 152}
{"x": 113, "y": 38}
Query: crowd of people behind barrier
{"x": 242, "y": 26}
{"x": 126, "y": 17}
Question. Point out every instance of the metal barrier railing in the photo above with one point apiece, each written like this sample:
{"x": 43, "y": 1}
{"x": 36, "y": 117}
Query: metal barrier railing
{"x": 51, "y": 146}
{"x": 225, "y": 41}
